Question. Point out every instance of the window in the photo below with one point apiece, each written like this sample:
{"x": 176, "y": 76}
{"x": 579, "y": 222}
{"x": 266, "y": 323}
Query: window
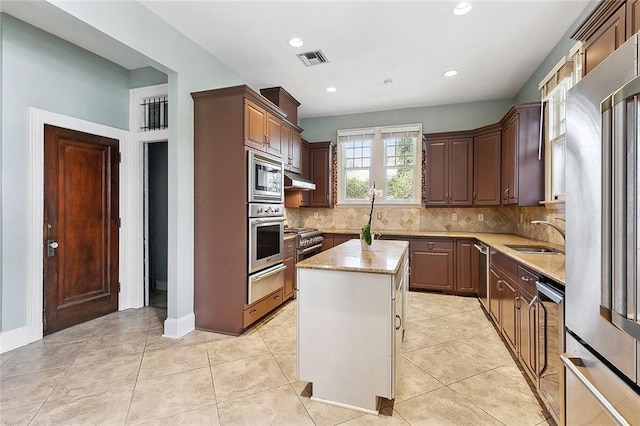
{"x": 556, "y": 140}
{"x": 390, "y": 157}
{"x": 554, "y": 95}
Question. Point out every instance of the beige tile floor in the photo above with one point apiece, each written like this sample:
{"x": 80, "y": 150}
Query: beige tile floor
{"x": 118, "y": 370}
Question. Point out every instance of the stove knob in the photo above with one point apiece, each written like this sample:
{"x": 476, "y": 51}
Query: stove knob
{"x": 259, "y": 210}
{"x": 276, "y": 210}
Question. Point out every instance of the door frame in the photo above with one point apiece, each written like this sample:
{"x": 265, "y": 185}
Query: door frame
{"x": 145, "y": 230}
{"x": 129, "y": 252}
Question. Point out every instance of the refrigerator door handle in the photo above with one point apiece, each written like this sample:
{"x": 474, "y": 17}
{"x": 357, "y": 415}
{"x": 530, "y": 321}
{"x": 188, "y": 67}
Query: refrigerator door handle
{"x": 606, "y": 112}
{"x": 620, "y": 208}
{"x": 573, "y": 364}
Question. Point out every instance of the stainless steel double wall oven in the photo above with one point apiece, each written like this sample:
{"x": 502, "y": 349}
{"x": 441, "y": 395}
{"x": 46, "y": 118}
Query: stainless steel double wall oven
{"x": 265, "y": 222}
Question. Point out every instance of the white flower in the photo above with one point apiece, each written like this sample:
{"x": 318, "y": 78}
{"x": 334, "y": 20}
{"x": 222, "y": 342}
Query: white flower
{"x": 373, "y": 191}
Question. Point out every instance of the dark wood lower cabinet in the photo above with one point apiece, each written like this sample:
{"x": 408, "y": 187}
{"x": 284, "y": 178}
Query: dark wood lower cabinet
{"x": 494, "y": 296}
{"x": 431, "y": 264}
{"x": 341, "y": 238}
{"x": 503, "y": 294}
{"x": 508, "y": 312}
{"x": 528, "y": 321}
{"x": 467, "y": 265}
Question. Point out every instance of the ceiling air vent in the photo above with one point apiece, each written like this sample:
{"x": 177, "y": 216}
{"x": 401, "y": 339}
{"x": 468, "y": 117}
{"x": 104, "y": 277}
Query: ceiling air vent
{"x": 313, "y": 58}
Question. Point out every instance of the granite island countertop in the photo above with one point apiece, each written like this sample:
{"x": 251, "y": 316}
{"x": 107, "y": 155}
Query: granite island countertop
{"x": 383, "y": 258}
{"x": 550, "y": 265}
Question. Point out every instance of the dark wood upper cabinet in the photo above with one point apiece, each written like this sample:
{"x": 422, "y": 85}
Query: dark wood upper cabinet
{"x": 437, "y": 179}
{"x": 486, "y": 168}
{"x": 320, "y": 166}
{"x": 609, "y": 25}
{"x": 633, "y": 17}
{"x": 605, "y": 40}
{"x": 520, "y": 162}
{"x": 284, "y": 101}
{"x": 295, "y": 152}
{"x": 449, "y": 163}
{"x": 262, "y": 129}
{"x": 290, "y": 142}
{"x": 274, "y": 135}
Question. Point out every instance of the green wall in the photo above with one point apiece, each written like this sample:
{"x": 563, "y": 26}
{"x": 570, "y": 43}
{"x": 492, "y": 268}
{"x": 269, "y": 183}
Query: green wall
{"x": 530, "y": 92}
{"x": 146, "y": 76}
{"x": 441, "y": 118}
{"x": 43, "y": 71}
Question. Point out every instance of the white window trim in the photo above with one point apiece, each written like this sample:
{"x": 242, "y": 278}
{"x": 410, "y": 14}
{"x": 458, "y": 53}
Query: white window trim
{"x": 377, "y": 174}
{"x": 549, "y": 201}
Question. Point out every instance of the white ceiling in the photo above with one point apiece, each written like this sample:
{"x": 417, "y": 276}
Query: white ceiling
{"x": 496, "y": 47}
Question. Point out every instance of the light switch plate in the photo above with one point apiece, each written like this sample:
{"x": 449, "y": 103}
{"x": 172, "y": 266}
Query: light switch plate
{"x": 315, "y": 215}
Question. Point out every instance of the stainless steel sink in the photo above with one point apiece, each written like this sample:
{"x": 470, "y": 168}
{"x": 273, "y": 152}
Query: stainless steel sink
{"x": 535, "y": 249}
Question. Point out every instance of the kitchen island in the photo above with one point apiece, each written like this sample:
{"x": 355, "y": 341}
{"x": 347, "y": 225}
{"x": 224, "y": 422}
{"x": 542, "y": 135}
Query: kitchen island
{"x": 351, "y": 316}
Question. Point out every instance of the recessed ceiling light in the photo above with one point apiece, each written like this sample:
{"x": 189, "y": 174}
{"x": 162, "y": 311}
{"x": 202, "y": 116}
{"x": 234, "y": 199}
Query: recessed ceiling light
{"x": 296, "y": 42}
{"x": 450, "y": 73}
{"x": 331, "y": 89}
{"x": 462, "y": 8}
{"x": 388, "y": 82}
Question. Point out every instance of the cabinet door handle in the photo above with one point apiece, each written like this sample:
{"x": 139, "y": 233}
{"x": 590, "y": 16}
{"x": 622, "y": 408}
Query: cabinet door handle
{"x": 399, "y": 325}
{"x": 473, "y": 195}
{"x": 506, "y": 193}
{"x": 525, "y": 278}
{"x": 499, "y": 285}
{"x": 253, "y": 311}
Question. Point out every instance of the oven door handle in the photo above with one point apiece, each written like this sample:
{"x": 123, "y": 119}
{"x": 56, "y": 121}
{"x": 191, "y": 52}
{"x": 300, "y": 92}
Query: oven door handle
{"x": 308, "y": 249}
{"x": 268, "y": 272}
{"x": 270, "y": 220}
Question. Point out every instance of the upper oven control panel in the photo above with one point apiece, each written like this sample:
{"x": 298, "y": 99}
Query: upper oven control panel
{"x": 266, "y": 210}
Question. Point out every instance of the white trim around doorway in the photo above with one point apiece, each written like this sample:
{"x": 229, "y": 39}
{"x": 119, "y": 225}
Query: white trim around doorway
{"x": 130, "y": 255}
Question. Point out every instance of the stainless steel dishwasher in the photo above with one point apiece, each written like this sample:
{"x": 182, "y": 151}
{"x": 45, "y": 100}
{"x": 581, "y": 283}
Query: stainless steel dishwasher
{"x": 550, "y": 337}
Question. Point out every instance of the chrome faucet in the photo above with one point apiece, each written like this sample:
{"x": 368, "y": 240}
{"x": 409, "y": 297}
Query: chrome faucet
{"x": 553, "y": 225}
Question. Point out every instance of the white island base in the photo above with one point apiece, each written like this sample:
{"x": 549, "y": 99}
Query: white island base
{"x": 350, "y": 322}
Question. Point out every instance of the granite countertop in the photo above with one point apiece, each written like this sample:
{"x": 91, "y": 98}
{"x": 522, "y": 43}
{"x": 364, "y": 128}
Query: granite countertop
{"x": 550, "y": 265}
{"x": 289, "y": 236}
{"x": 384, "y": 258}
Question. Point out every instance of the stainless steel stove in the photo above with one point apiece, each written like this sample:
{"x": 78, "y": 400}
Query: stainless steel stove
{"x": 308, "y": 242}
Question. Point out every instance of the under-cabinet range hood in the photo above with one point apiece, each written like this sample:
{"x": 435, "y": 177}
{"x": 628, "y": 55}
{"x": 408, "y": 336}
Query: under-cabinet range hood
{"x": 295, "y": 181}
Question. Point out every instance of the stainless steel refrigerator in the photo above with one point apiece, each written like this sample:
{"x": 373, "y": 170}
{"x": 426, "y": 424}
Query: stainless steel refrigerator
{"x": 602, "y": 355}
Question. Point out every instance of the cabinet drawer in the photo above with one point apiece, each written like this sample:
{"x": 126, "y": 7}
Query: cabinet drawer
{"x": 506, "y": 265}
{"x": 259, "y": 309}
{"x": 289, "y": 246}
{"x": 527, "y": 280}
{"x": 432, "y": 244}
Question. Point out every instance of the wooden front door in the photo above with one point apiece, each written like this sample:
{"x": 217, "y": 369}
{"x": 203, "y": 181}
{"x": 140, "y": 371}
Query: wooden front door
{"x": 81, "y": 226}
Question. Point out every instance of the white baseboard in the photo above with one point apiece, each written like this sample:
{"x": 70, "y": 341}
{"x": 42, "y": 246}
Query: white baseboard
{"x": 161, "y": 285}
{"x": 18, "y": 337}
{"x": 176, "y": 328}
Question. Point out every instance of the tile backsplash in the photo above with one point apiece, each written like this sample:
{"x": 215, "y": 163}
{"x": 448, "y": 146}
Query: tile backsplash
{"x": 510, "y": 220}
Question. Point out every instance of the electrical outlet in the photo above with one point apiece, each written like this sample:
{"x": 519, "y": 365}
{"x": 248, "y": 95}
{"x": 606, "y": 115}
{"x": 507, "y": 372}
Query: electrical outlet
{"x": 521, "y": 217}
{"x": 379, "y": 216}
{"x": 480, "y": 217}
{"x": 315, "y": 215}
{"x": 454, "y": 216}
